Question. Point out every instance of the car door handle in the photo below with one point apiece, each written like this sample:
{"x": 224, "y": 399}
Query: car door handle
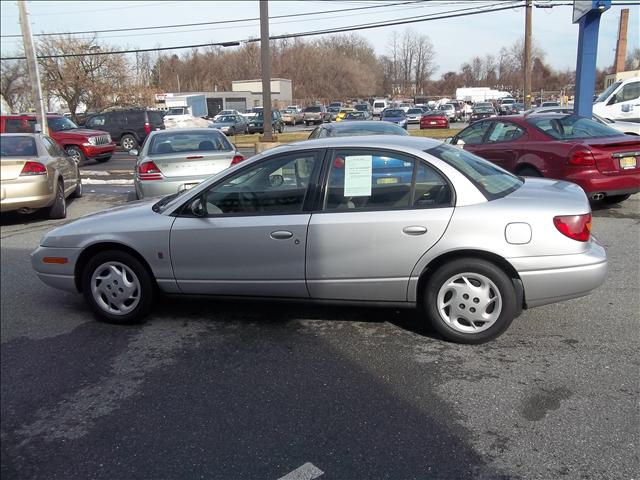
{"x": 415, "y": 230}
{"x": 281, "y": 235}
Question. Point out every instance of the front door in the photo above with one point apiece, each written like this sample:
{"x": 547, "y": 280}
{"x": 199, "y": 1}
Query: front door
{"x": 247, "y": 234}
{"x": 502, "y": 144}
{"x": 382, "y": 211}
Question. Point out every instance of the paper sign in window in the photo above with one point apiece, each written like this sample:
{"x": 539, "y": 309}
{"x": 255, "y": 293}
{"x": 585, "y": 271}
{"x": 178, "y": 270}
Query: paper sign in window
{"x": 357, "y": 176}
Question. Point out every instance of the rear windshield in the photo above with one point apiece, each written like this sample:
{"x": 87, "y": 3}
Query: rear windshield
{"x": 18, "y": 147}
{"x": 362, "y": 108}
{"x": 355, "y": 115}
{"x": 508, "y": 101}
{"x": 491, "y": 180}
{"x": 179, "y": 142}
{"x": 571, "y": 127}
{"x": 313, "y": 109}
{"x": 357, "y": 129}
{"x": 483, "y": 110}
{"x": 393, "y": 113}
{"x": 378, "y": 104}
{"x": 415, "y": 110}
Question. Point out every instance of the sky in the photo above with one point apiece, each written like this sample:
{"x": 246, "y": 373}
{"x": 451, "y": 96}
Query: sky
{"x": 455, "y": 40}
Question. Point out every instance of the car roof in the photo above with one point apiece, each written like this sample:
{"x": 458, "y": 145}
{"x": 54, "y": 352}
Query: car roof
{"x": 368, "y": 141}
{"x": 18, "y": 134}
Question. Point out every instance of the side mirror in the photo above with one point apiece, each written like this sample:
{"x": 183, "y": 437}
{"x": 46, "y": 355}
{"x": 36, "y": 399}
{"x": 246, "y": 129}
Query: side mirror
{"x": 134, "y": 152}
{"x": 458, "y": 141}
{"x": 197, "y": 207}
{"x": 276, "y": 180}
{"x": 448, "y": 140}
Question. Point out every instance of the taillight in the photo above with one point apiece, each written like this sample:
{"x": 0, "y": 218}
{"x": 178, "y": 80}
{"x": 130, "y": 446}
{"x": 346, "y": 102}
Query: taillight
{"x": 33, "y": 168}
{"x": 147, "y": 127}
{"x": 149, "y": 171}
{"x": 581, "y": 157}
{"x": 237, "y": 159}
{"x": 576, "y": 227}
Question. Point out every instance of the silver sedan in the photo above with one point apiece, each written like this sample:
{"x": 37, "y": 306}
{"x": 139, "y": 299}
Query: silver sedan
{"x": 386, "y": 220}
{"x": 179, "y": 159}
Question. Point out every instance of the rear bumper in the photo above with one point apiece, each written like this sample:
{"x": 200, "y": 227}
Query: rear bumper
{"x": 158, "y": 188}
{"x": 424, "y": 126}
{"x": 100, "y": 151}
{"x": 592, "y": 181}
{"x": 26, "y": 192}
{"x": 562, "y": 277}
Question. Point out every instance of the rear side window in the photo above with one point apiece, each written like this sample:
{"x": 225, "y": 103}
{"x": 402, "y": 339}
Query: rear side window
{"x": 18, "y": 146}
{"x": 177, "y": 142}
{"x": 571, "y": 127}
{"x": 373, "y": 180}
{"x": 135, "y": 118}
{"x": 491, "y": 180}
{"x": 16, "y": 125}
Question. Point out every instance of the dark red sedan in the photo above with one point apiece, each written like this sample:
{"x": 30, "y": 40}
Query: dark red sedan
{"x": 434, "y": 119}
{"x": 604, "y": 162}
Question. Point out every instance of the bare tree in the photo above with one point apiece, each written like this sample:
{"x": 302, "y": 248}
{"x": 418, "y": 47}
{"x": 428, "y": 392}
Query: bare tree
{"x": 13, "y": 85}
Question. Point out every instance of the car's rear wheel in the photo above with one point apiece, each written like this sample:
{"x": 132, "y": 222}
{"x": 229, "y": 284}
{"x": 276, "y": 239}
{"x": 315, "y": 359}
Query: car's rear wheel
{"x": 470, "y": 300}
{"x": 76, "y": 153}
{"x": 77, "y": 193}
{"x": 58, "y": 208}
{"x": 529, "y": 172}
{"x": 128, "y": 142}
{"x": 118, "y": 287}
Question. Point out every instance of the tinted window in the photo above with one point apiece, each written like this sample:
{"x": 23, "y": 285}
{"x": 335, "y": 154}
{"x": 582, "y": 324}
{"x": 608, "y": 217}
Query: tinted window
{"x": 18, "y": 146}
{"x": 177, "y": 142}
{"x": 16, "y": 125}
{"x": 276, "y": 186}
{"x": 356, "y": 129}
{"x": 491, "y": 180}
{"x": 58, "y": 124}
{"x": 367, "y": 179}
{"x": 135, "y": 118}
{"x": 504, "y": 132}
{"x": 312, "y": 109}
{"x": 473, "y": 134}
{"x": 571, "y": 127}
{"x": 393, "y": 113}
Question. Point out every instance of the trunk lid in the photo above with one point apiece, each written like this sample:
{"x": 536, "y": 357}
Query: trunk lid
{"x": 190, "y": 164}
{"x": 10, "y": 167}
{"x": 616, "y": 155}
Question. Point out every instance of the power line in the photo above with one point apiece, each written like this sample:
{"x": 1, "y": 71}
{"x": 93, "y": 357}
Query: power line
{"x": 401, "y": 21}
{"x": 219, "y": 22}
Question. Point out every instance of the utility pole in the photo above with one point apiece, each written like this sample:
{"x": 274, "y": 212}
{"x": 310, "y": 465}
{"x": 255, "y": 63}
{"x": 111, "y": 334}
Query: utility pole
{"x": 32, "y": 67}
{"x": 527, "y": 55}
{"x": 265, "y": 58}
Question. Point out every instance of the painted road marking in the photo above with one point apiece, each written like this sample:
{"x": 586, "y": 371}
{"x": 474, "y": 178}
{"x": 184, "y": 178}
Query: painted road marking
{"x": 308, "y": 471}
{"x": 95, "y": 181}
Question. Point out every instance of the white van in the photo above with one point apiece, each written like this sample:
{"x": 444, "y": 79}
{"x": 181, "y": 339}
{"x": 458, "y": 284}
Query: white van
{"x": 379, "y": 105}
{"x": 621, "y": 101}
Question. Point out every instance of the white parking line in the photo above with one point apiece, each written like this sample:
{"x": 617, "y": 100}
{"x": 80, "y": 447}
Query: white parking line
{"x": 97, "y": 173}
{"x": 308, "y": 471}
{"x": 95, "y": 181}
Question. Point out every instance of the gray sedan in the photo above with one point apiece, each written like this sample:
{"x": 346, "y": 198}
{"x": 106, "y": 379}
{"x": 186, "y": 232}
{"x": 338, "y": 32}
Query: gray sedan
{"x": 230, "y": 124}
{"x": 179, "y": 159}
{"x": 387, "y": 221}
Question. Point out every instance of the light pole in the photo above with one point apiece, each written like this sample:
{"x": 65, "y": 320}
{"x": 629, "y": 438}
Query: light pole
{"x": 265, "y": 58}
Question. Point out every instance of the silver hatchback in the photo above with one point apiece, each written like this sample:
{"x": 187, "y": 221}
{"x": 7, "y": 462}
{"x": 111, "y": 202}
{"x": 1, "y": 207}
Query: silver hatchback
{"x": 179, "y": 159}
{"x": 380, "y": 220}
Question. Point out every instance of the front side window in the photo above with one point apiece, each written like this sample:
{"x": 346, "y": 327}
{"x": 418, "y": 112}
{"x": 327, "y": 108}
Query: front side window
{"x": 473, "y": 134}
{"x": 604, "y": 95}
{"x": 491, "y": 180}
{"x": 59, "y": 124}
{"x": 97, "y": 121}
{"x": 631, "y": 91}
{"x": 178, "y": 142}
{"x": 504, "y": 132}
{"x": 272, "y": 187}
{"x": 52, "y": 147}
{"x": 372, "y": 180}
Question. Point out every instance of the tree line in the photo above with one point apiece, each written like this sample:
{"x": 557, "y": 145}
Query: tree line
{"x": 335, "y": 67}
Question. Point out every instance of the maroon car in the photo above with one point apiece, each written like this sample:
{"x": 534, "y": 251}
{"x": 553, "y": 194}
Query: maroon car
{"x": 601, "y": 160}
{"x": 434, "y": 119}
{"x": 79, "y": 143}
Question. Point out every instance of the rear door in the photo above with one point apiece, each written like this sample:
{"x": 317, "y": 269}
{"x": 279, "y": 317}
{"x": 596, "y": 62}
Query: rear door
{"x": 503, "y": 142}
{"x": 250, "y": 234}
{"x": 382, "y": 210}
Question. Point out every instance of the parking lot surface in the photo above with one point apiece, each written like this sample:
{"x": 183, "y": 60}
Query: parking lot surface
{"x": 242, "y": 390}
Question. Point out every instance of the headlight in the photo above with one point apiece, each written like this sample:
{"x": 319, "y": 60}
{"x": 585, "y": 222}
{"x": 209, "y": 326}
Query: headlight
{"x": 224, "y": 128}
{"x": 108, "y": 138}
{"x": 92, "y": 141}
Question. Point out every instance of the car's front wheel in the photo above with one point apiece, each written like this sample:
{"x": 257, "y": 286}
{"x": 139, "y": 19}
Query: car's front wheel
{"x": 76, "y": 153}
{"x": 470, "y": 300}
{"x": 118, "y": 287}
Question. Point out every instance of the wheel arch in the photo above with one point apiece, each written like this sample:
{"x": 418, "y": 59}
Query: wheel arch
{"x": 526, "y": 165}
{"x": 496, "y": 259}
{"x": 95, "y": 248}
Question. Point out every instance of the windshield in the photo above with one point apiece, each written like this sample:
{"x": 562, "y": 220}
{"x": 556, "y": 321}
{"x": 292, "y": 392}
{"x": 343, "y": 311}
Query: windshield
{"x": 357, "y": 129}
{"x": 196, "y": 141}
{"x": 354, "y": 115}
{"x": 313, "y": 109}
{"x": 176, "y": 111}
{"x": 393, "y": 113}
{"x": 58, "y": 124}
{"x": 571, "y": 127}
{"x": 362, "y": 108}
{"x": 604, "y": 95}
{"x": 379, "y": 104}
{"x": 507, "y": 101}
{"x": 19, "y": 146}
{"x": 446, "y": 107}
{"x": 491, "y": 180}
{"x": 226, "y": 119}
{"x": 415, "y": 110}
{"x": 483, "y": 110}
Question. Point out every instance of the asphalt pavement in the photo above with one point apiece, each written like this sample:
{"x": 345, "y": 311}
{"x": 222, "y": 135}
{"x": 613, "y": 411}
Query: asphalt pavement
{"x": 240, "y": 390}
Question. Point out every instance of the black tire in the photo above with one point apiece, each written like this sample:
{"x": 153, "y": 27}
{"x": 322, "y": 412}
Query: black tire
{"x": 232, "y": 131}
{"x": 77, "y": 193}
{"x": 76, "y": 153}
{"x": 511, "y": 301}
{"x": 128, "y": 142}
{"x": 146, "y": 287}
{"x": 613, "y": 199}
{"x": 306, "y": 124}
{"x": 58, "y": 208}
{"x": 529, "y": 172}
{"x": 103, "y": 159}
{"x": 281, "y": 129}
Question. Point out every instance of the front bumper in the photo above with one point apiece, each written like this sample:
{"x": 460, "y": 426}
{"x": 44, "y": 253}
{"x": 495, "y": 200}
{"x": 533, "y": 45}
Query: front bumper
{"x": 556, "y": 278}
{"x": 60, "y": 276}
{"x": 99, "y": 151}
{"x": 26, "y": 192}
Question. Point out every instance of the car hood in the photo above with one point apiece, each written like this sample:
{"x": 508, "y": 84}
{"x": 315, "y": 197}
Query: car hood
{"x": 81, "y": 132}
{"x": 221, "y": 124}
{"x": 109, "y": 224}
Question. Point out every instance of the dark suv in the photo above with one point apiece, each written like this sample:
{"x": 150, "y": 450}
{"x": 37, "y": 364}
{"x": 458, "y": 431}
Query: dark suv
{"x": 128, "y": 127}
